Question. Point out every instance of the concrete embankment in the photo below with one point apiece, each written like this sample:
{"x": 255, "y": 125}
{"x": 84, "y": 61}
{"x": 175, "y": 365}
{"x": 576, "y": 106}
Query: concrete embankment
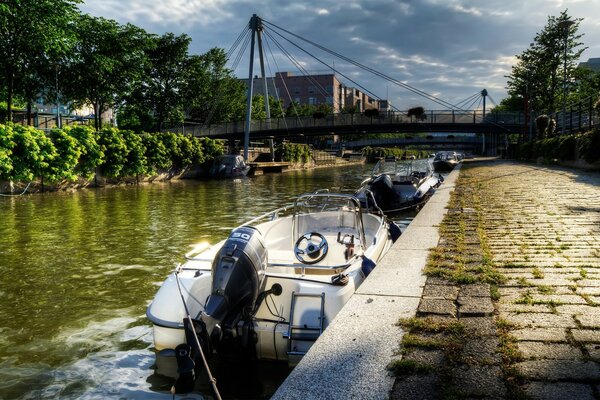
{"x": 350, "y": 358}
{"x": 504, "y": 305}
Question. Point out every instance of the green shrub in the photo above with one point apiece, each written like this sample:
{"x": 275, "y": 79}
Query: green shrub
{"x": 293, "y": 152}
{"x": 211, "y": 148}
{"x": 157, "y": 155}
{"x": 31, "y": 154}
{"x": 567, "y": 148}
{"x": 68, "y": 152}
{"x": 135, "y": 161}
{"x": 91, "y": 154}
{"x": 115, "y": 151}
{"x": 6, "y": 149}
{"x": 589, "y": 146}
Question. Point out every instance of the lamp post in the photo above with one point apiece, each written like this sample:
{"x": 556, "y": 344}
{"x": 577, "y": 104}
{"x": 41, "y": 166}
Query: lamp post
{"x": 566, "y": 25}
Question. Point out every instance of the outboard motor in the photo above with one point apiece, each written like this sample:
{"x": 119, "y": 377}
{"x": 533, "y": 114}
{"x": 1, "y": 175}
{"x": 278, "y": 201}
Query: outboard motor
{"x": 237, "y": 274}
{"x": 383, "y": 191}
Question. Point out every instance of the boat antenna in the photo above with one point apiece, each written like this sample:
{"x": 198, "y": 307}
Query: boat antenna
{"x": 212, "y": 380}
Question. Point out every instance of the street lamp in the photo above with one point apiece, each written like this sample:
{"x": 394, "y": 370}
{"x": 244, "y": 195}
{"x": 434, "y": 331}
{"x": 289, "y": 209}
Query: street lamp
{"x": 566, "y": 25}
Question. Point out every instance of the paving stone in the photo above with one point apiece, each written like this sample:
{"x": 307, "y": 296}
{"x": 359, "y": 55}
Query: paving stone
{"x": 485, "y": 381}
{"x": 431, "y": 357}
{"x": 441, "y": 292}
{"x": 481, "y": 350}
{"x": 559, "y": 299}
{"x": 436, "y": 307}
{"x": 586, "y": 335}
{"x": 417, "y": 387}
{"x": 541, "y": 334}
{"x": 593, "y": 351}
{"x": 475, "y": 290}
{"x": 589, "y": 321}
{"x": 474, "y": 306}
{"x": 577, "y": 309}
{"x": 555, "y": 370}
{"x": 559, "y": 391}
{"x": 524, "y": 308}
{"x": 479, "y": 326}
{"x": 553, "y": 351}
{"x": 541, "y": 320}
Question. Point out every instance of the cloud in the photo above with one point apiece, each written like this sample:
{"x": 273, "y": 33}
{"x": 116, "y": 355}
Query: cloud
{"x": 449, "y": 47}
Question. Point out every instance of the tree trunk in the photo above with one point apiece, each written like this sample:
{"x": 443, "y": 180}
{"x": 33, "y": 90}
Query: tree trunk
{"x": 9, "y": 97}
{"x": 29, "y": 106}
{"x": 96, "y": 116}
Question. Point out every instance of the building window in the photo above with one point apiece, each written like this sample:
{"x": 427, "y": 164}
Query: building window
{"x": 312, "y": 101}
{"x": 296, "y": 90}
{"x": 311, "y": 89}
{"x": 297, "y": 100}
{"x": 329, "y": 89}
{"x": 329, "y": 100}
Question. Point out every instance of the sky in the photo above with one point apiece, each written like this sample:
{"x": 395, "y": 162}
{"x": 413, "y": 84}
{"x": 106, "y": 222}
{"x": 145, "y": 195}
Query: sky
{"x": 451, "y": 49}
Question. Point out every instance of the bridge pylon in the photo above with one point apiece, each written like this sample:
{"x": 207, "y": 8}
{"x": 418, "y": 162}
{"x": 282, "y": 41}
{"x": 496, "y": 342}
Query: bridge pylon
{"x": 256, "y": 26}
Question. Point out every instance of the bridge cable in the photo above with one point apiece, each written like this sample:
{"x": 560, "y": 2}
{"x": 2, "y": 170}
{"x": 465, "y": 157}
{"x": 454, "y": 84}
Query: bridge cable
{"x": 303, "y": 70}
{"x": 329, "y": 67}
{"x": 244, "y": 38}
{"x": 279, "y": 101}
{"x": 300, "y": 68}
{"x": 373, "y": 71}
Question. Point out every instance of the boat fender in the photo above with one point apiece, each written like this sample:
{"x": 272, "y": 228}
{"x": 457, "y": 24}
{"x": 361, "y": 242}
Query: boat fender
{"x": 367, "y": 266}
{"x": 394, "y": 230}
{"x": 340, "y": 280}
{"x": 186, "y": 368}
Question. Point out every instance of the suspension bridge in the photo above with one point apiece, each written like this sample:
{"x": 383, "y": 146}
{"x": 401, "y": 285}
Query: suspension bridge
{"x": 467, "y": 116}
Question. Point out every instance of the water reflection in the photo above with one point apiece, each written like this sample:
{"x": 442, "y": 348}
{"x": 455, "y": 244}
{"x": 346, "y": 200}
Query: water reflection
{"x": 79, "y": 268}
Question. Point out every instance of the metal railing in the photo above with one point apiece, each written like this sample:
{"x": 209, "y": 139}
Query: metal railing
{"x": 343, "y": 119}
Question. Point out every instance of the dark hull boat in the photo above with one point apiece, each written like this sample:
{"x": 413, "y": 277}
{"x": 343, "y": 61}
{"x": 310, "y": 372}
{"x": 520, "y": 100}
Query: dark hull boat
{"x": 229, "y": 166}
{"x": 445, "y": 161}
{"x": 398, "y": 186}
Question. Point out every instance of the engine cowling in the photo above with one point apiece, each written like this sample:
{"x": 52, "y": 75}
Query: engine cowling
{"x": 237, "y": 276}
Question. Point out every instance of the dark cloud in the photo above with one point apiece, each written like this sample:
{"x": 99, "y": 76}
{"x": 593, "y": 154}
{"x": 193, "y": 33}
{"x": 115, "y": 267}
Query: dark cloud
{"x": 449, "y": 48}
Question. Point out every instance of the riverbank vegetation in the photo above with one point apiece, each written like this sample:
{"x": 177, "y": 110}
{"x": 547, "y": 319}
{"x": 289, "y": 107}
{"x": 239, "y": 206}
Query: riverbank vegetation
{"x": 372, "y": 153}
{"x": 71, "y": 153}
{"x": 580, "y": 146}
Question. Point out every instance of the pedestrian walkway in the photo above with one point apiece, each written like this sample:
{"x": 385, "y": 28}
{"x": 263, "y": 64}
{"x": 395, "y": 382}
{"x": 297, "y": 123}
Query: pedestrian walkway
{"x": 511, "y": 305}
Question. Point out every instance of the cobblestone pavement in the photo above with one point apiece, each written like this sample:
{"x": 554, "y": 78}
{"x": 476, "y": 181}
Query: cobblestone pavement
{"x": 511, "y": 307}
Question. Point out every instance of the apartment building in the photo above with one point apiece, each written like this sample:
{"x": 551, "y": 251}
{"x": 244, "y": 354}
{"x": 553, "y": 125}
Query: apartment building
{"x": 314, "y": 89}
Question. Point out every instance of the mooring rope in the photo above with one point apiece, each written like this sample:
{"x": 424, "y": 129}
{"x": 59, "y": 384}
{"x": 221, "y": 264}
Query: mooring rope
{"x": 18, "y": 194}
{"x": 212, "y": 380}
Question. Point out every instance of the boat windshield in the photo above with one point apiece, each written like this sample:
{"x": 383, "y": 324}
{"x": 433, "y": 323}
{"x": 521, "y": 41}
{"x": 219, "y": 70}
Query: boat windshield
{"x": 327, "y": 212}
{"x": 391, "y": 166}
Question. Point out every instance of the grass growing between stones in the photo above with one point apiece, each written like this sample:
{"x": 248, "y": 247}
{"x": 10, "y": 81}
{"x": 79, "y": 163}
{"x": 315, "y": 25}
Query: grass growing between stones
{"x": 464, "y": 255}
{"x": 511, "y": 354}
{"x": 408, "y": 367}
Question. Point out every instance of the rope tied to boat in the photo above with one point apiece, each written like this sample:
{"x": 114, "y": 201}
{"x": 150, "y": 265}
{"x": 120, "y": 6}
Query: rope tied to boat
{"x": 212, "y": 380}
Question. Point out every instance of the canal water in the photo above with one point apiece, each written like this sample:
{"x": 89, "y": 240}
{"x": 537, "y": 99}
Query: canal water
{"x": 78, "y": 269}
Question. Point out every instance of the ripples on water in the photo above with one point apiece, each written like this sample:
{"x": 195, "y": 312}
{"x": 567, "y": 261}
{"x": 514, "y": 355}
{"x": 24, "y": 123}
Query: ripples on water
{"x": 78, "y": 270}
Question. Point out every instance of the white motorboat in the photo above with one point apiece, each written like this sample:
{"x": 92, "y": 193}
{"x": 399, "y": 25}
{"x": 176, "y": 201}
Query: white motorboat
{"x": 274, "y": 285}
{"x": 396, "y": 186}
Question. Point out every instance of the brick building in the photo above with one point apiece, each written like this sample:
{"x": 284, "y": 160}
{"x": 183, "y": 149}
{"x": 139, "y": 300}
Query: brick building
{"x": 314, "y": 90}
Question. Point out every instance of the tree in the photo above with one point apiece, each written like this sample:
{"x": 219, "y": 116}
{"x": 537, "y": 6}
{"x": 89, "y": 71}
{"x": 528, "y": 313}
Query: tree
{"x": 212, "y": 93}
{"x": 108, "y": 61}
{"x": 159, "y": 97}
{"x": 539, "y": 70}
{"x": 31, "y": 31}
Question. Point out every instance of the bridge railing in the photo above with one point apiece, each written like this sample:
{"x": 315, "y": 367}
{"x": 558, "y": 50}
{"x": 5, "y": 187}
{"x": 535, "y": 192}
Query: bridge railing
{"x": 356, "y": 119}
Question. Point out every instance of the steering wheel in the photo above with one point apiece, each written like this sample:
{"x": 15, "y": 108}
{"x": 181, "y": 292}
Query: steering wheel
{"x": 314, "y": 251}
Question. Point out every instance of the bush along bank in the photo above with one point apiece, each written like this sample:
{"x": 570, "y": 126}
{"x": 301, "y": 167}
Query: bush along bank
{"x": 295, "y": 153}
{"x": 79, "y": 156}
{"x": 581, "y": 149}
